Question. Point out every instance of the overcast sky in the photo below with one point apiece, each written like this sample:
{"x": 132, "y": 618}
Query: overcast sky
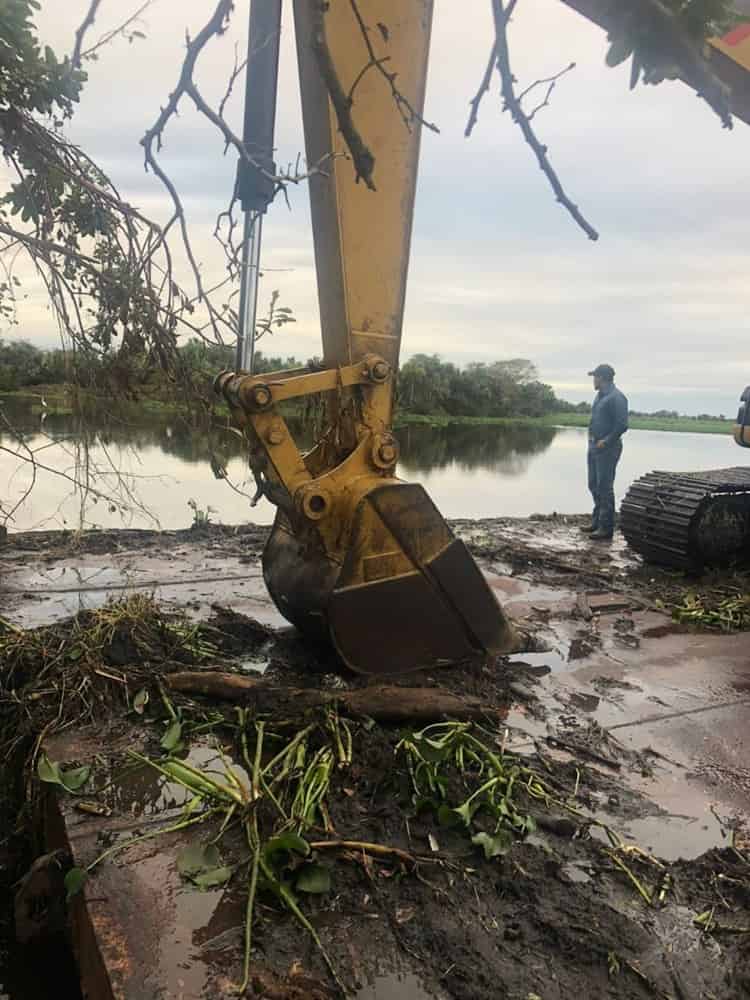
{"x": 498, "y": 270}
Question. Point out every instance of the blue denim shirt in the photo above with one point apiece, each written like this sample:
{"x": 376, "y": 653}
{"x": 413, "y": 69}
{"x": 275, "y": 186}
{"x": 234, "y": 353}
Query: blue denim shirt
{"x": 609, "y": 416}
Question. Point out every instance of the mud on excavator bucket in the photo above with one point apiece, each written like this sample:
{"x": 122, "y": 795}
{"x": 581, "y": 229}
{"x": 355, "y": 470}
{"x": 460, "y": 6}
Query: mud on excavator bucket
{"x": 408, "y": 594}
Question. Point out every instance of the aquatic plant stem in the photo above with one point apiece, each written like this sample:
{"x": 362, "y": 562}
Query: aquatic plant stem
{"x": 253, "y": 840}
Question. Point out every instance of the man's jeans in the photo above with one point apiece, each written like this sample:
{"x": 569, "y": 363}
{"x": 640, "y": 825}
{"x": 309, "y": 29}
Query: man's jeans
{"x": 602, "y": 464}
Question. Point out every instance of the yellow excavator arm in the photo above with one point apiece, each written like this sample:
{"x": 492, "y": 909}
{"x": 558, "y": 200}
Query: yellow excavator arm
{"x": 356, "y": 554}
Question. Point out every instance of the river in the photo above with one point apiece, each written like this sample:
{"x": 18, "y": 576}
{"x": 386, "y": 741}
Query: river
{"x": 162, "y": 463}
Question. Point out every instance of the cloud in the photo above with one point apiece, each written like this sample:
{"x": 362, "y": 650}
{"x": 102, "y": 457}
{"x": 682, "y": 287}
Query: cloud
{"x": 497, "y": 269}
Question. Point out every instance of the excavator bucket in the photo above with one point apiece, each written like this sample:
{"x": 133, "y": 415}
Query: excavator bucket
{"x": 414, "y": 598}
{"x": 408, "y": 594}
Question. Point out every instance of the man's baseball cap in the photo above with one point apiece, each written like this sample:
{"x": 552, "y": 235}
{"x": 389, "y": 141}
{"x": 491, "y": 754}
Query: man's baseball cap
{"x": 606, "y": 371}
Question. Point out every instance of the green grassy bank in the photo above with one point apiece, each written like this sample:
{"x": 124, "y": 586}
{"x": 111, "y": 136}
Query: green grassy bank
{"x": 59, "y": 399}
{"x": 679, "y": 424}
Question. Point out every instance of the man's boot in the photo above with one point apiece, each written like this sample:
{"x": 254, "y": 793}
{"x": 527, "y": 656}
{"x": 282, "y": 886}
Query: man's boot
{"x": 588, "y": 529}
{"x": 600, "y": 535}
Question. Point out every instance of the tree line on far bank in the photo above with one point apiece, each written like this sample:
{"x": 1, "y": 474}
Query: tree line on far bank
{"x": 427, "y": 385}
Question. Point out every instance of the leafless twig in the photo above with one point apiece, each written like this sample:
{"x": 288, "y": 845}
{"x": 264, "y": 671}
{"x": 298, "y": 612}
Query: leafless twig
{"x": 364, "y": 161}
{"x": 551, "y": 82}
{"x": 484, "y": 86}
{"x": 408, "y": 114}
{"x": 511, "y": 103}
{"x": 81, "y": 32}
{"x": 121, "y": 29}
{"x": 153, "y": 139}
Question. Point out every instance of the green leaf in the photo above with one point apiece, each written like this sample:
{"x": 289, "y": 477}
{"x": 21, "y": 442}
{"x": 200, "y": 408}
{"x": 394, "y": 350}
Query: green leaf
{"x": 493, "y": 846}
{"x": 429, "y": 751}
{"x": 48, "y": 771}
{"x": 74, "y": 779}
{"x": 635, "y": 71}
{"x": 448, "y": 817}
{"x": 75, "y": 881}
{"x": 172, "y": 737}
{"x": 198, "y": 859}
{"x": 620, "y": 49}
{"x": 465, "y": 812}
{"x": 314, "y": 879}
{"x": 75, "y": 654}
{"x": 213, "y": 878}
{"x": 140, "y": 701}
{"x": 286, "y": 843}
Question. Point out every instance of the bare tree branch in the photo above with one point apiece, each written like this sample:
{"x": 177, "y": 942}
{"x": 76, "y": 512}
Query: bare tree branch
{"x": 153, "y": 140}
{"x": 484, "y": 87}
{"x": 512, "y": 104}
{"x": 364, "y": 161}
{"x": 408, "y": 115}
{"x": 121, "y": 29}
{"x": 551, "y": 82}
{"x": 81, "y": 32}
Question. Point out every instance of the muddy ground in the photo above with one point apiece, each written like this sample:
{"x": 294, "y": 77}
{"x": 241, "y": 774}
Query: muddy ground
{"x": 561, "y": 912}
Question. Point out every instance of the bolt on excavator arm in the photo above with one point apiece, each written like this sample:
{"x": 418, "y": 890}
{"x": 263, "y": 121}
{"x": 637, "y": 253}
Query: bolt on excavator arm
{"x": 357, "y": 555}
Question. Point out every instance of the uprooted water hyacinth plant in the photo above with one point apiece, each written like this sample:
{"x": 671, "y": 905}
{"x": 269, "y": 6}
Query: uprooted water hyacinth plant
{"x": 275, "y": 805}
{"x": 276, "y": 801}
{"x": 730, "y": 613}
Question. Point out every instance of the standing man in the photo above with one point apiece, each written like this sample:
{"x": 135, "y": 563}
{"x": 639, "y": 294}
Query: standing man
{"x": 609, "y": 421}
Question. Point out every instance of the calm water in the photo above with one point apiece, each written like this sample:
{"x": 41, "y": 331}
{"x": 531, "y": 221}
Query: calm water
{"x": 468, "y": 471}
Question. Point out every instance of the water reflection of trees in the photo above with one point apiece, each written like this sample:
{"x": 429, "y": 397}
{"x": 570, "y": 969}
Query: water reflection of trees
{"x": 188, "y": 441}
{"x": 505, "y": 449}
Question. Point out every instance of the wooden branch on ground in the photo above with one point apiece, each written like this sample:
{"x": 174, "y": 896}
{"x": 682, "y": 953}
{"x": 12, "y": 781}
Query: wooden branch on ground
{"x": 384, "y": 703}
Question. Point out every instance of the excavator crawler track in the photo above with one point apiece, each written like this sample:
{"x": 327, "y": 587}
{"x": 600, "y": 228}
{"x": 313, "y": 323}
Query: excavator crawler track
{"x": 689, "y": 519}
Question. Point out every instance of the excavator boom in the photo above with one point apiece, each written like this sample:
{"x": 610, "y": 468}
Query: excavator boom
{"x": 357, "y": 555}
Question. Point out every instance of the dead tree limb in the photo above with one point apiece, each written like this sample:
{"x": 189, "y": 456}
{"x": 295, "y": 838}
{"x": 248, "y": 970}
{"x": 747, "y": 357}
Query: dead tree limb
{"x": 385, "y": 703}
{"x": 409, "y": 115}
{"x": 87, "y": 23}
{"x": 364, "y": 161}
{"x": 511, "y": 103}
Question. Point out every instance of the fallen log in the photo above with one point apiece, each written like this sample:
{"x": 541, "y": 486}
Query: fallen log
{"x": 384, "y": 703}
